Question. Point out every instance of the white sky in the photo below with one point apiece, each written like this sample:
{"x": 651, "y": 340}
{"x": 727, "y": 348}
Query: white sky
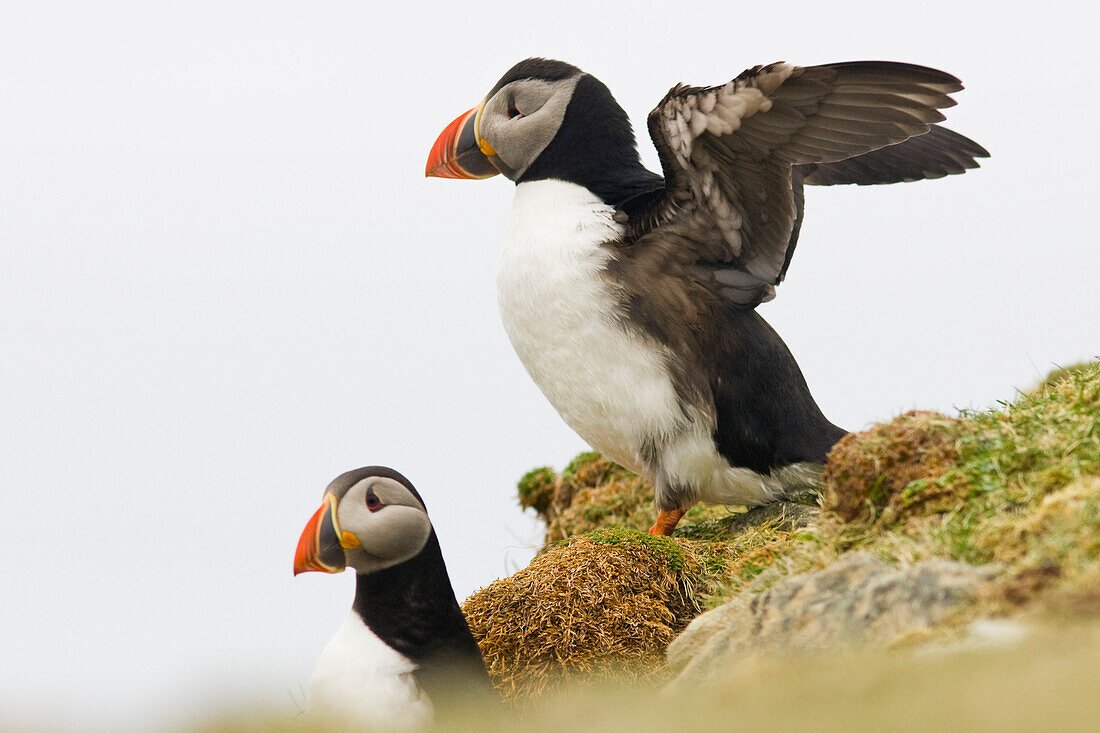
{"x": 224, "y": 280}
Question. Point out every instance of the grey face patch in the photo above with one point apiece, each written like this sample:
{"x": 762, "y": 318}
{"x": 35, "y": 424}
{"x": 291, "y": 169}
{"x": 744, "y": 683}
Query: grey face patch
{"x": 522, "y": 118}
{"x": 392, "y": 528}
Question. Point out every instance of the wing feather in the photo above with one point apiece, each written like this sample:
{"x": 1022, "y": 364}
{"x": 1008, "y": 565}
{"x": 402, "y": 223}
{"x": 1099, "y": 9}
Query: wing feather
{"x": 728, "y": 152}
{"x": 938, "y": 153}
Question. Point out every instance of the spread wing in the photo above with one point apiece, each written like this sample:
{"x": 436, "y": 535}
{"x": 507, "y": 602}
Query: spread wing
{"x": 735, "y": 157}
{"x": 937, "y": 153}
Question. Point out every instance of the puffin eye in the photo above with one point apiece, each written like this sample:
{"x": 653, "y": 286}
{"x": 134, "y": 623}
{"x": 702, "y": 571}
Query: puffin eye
{"x": 513, "y": 111}
{"x": 373, "y": 502}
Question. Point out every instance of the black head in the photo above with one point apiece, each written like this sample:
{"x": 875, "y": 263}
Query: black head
{"x": 371, "y": 519}
{"x": 547, "y": 119}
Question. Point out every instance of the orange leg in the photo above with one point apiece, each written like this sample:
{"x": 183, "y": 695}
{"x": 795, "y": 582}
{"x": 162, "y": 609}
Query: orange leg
{"x": 666, "y": 521}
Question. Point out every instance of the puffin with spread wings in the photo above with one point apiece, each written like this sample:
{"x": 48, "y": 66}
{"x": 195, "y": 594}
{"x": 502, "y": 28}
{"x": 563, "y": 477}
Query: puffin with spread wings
{"x": 629, "y": 297}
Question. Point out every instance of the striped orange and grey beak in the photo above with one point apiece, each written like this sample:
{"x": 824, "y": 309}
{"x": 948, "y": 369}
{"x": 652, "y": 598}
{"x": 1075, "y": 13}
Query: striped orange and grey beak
{"x": 319, "y": 547}
{"x": 459, "y": 153}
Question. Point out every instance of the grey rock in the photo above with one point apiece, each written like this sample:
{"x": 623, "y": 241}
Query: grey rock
{"x": 858, "y": 599}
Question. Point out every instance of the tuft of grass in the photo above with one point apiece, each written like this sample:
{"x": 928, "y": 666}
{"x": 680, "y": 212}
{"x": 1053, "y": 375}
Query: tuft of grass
{"x": 1028, "y": 470}
{"x": 536, "y": 489}
{"x": 1059, "y": 373}
{"x": 586, "y": 463}
{"x": 660, "y": 548}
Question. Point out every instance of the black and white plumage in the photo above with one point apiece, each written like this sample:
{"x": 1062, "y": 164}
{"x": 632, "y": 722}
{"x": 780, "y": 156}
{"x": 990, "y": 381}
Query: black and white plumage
{"x": 405, "y": 648}
{"x": 629, "y": 296}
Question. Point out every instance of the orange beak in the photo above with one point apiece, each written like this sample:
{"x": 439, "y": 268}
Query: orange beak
{"x": 319, "y": 546}
{"x": 458, "y": 153}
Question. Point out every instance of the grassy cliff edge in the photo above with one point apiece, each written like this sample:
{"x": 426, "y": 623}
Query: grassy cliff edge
{"x": 1014, "y": 489}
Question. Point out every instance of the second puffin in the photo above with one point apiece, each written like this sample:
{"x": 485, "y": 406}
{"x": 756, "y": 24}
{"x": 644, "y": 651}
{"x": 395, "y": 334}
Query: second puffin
{"x": 630, "y": 297}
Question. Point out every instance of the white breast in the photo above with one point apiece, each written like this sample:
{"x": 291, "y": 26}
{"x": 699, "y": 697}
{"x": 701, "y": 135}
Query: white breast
{"x": 361, "y": 681}
{"x": 609, "y": 384}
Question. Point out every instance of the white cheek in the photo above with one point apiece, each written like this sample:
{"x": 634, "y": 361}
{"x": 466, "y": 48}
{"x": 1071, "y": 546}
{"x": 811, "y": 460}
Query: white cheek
{"x": 394, "y": 533}
{"x": 352, "y": 513}
{"x": 519, "y": 142}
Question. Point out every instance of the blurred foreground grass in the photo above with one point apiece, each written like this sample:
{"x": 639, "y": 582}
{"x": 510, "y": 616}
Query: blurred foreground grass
{"x": 1047, "y": 680}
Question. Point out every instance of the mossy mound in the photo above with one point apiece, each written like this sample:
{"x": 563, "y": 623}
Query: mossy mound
{"x": 603, "y": 605}
{"x": 891, "y": 468}
{"x": 536, "y": 490}
{"x": 593, "y": 492}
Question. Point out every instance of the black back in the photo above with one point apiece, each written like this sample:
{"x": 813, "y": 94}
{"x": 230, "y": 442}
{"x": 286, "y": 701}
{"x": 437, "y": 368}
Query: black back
{"x": 767, "y": 417}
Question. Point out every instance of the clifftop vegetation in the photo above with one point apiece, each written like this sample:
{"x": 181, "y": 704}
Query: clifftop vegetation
{"x": 1013, "y": 490}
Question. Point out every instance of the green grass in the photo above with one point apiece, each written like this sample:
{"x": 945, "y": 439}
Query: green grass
{"x": 661, "y": 549}
{"x": 536, "y": 489}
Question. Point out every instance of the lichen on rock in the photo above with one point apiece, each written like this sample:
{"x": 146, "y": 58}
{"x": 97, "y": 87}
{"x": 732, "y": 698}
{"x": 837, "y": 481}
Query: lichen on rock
{"x": 857, "y": 599}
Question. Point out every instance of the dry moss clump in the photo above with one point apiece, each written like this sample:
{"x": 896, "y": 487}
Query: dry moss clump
{"x": 601, "y": 605}
{"x": 873, "y": 473}
{"x": 593, "y": 492}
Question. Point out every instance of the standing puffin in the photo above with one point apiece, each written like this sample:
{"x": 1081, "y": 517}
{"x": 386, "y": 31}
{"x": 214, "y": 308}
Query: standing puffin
{"x": 405, "y": 647}
{"x": 629, "y": 297}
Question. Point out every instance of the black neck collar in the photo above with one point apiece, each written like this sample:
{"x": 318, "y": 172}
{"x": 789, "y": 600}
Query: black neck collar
{"x": 412, "y": 608}
{"x": 595, "y": 148}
